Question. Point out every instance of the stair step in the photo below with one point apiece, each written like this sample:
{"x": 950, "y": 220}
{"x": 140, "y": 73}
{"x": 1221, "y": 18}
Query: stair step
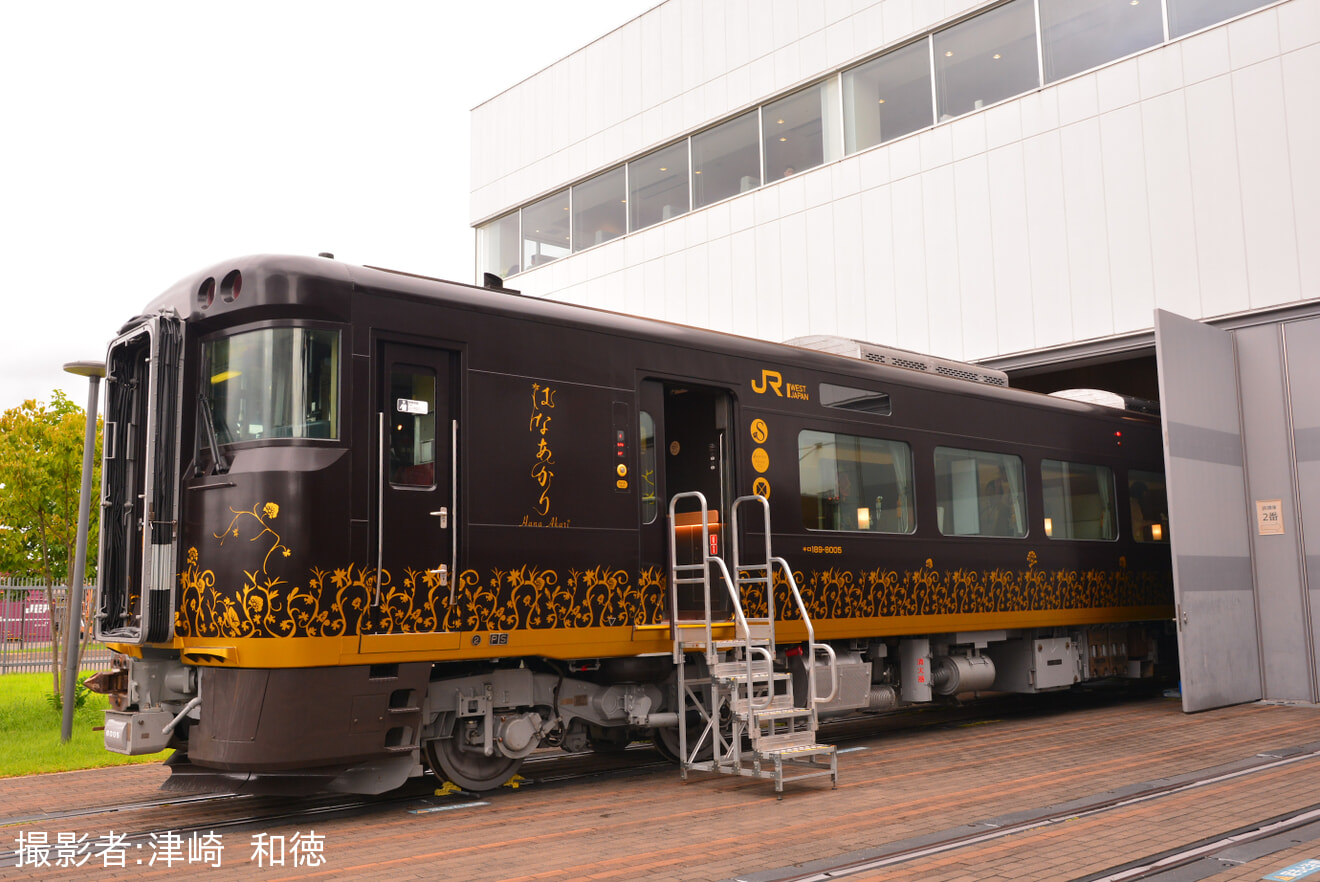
{"x": 780, "y": 713}
{"x": 804, "y": 750}
{"x": 770, "y": 743}
{"x": 780, "y": 701}
{"x": 742, "y": 644}
{"x": 730, "y": 669}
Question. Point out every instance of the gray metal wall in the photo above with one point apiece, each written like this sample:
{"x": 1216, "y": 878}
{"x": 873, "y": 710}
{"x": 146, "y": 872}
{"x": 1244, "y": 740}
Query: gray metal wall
{"x": 1273, "y": 393}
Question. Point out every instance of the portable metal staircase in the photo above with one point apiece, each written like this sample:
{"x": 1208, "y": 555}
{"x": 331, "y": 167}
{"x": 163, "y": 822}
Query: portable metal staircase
{"x": 744, "y": 710}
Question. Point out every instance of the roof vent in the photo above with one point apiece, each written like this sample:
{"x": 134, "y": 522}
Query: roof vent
{"x": 913, "y": 361}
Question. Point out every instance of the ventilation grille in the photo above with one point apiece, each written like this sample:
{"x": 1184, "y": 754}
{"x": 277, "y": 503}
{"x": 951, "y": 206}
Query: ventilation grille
{"x": 912, "y": 361}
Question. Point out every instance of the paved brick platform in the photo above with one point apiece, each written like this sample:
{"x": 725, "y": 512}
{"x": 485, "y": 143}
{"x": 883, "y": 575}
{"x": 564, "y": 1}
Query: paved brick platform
{"x": 896, "y": 788}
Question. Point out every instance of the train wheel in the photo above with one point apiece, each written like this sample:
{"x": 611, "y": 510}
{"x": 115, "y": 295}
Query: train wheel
{"x": 666, "y": 740}
{"x": 469, "y": 769}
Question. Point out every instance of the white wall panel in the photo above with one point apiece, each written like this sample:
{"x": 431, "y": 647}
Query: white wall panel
{"x": 1132, "y": 293}
{"x": 694, "y": 29}
{"x": 1174, "y": 268}
{"x": 1047, "y": 225}
{"x": 1217, "y": 199}
{"x": 720, "y": 288}
{"x": 1078, "y": 100}
{"x": 849, "y": 272}
{"x": 1267, "y": 197}
{"x": 1160, "y": 71}
{"x": 1253, "y": 39}
{"x": 1117, "y": 85}
{"x": 743, "y": 285}
{"x": 1040, "y": 112}
{"x": 936, "y": 147}
{"x": 675, "y": 298}
{"x": 1008, "y": 216}
{"x": 1088, "y": 243}
{"x": 1205, "y": 56}
{"x": 878, "y": 264}
{"x": 1299, "y": 24}
{"x": 911, "y": 321}
{"x": 769, "y": 283}
{"x": 794, "y": 273}
{"x": 655, "y": 288}
{"x": 822, "y": 285}
{"x": 898, "y": 19}
{"x": 791, "y": 193}
{"x": 944, "y": 294}
{"x": 1003, "y": 124}
{"x": 817, "y": 187}
{"x": 734, "y": 26}
{"x": 696, "y": 285}
{"x": 977, "y": 313}
{"x": 969, "y": 136}
{"x": 1301, "y": 79}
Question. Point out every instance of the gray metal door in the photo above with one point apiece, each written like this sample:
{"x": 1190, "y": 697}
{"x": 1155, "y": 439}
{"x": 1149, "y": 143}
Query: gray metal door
{"x": 1218, "y": 645}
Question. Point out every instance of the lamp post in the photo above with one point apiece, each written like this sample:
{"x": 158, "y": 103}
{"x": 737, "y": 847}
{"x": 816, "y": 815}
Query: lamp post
{"x": 93, "y": 371}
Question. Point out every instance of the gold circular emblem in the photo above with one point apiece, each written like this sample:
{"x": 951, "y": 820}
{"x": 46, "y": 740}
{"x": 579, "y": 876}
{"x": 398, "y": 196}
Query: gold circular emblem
{"x": 622, "y": 470}
{"x": 760, "y": 431}
{"x": 760, "y": 459}
{"x": 761, "y": 487}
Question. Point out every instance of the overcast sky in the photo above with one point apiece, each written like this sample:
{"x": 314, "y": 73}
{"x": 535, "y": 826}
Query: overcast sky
{"x": 143, "y": 141}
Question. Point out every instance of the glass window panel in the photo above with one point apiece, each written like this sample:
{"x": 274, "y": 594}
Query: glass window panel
{"x": 545, "y": 227}
{"x": 1079, "y": 499}
{"x": 887, "y": 98}
{"x": 726, "y": 160}
{"x": 412, "y": 430}
{"x": 1186, "y": 16}
{"x": 794, "y": 132}
{"x": 979, "y": 493}
{"x": 646, "y": 462}
{"x": 273, "y": 383}
{"x": 1148, "y": 502}
{"x": 848, "y": 398}
{"x": 497, "y": 247}
{"x": 986, "y": 59}
{"x": 1078, "y": 35}
{"x": 600, "y": 209}
{"x": 853, "y": 483}
{"x": 658, "y": 186}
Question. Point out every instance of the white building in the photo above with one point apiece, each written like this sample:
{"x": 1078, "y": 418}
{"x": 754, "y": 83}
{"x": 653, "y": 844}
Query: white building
{"x": 1019, "y": 183}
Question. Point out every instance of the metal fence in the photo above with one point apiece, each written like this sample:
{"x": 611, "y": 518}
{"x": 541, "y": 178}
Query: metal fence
{"x": 25, "y": 644}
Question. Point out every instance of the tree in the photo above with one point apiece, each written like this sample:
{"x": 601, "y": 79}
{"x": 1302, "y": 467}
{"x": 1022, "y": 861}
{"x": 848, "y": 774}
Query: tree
{"x": 40, "y": 477}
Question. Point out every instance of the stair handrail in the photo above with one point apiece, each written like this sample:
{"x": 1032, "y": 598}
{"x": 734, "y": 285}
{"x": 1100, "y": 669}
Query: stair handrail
{"x": 812, "y": 645}
{"x": 673, "y": 567}
{"x": 741, "y": 621}
{"x": 738, "y": 566}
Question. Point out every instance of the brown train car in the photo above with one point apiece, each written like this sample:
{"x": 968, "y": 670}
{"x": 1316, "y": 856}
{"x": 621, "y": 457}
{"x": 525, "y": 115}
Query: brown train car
{"x": 357, "y": 522}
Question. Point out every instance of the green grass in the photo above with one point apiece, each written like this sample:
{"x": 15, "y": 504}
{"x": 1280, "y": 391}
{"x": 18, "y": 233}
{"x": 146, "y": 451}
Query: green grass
{"x": 30, "y": 731}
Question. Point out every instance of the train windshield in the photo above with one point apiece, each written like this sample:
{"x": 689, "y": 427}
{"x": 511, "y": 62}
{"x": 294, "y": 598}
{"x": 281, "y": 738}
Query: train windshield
{"x": 272, "y": 383}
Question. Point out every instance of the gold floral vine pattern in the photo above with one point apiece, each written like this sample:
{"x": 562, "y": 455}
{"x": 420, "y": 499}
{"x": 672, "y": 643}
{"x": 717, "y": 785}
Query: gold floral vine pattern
{"x": 339, "y": 601}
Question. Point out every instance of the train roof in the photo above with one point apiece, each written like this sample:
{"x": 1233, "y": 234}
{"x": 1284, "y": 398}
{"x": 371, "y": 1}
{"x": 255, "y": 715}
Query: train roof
{"x": 268, "y": 283}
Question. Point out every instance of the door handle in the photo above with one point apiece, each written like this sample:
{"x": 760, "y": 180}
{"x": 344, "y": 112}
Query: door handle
{"x": 443, "y": 570}
{"x": 443, "y": 515}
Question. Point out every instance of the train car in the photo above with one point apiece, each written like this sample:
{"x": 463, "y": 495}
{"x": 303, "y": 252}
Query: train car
{"x": 358, "y": 522}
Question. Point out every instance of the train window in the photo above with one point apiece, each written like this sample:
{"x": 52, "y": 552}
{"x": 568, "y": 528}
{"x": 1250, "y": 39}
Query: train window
{"x": 852, "y": 483}
{"x": 272, "y": 383}
{"x": 1079, "y": 500}
{"x": 412, "y": 428}
{"x": 646, "y": 464}
{"x": 979, "y": 493}
{"x": 1148, "y": 500}
{"x": 848, "y": 398}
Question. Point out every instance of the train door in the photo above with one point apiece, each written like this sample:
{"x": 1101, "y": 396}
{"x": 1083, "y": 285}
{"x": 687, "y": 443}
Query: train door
{"x": 416, "y": 535}
{"x": 686, "y": 445}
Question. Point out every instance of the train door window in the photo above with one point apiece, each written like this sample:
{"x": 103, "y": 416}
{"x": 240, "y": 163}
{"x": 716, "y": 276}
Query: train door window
{"x": 1079, "y": 500}
{"x": 412, "y": 428}
{"x": 854, "y": 483}
{"x": 1148, "y": 500}
{"x": 978, "y": 493}
{"x": 646, "y": 463}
